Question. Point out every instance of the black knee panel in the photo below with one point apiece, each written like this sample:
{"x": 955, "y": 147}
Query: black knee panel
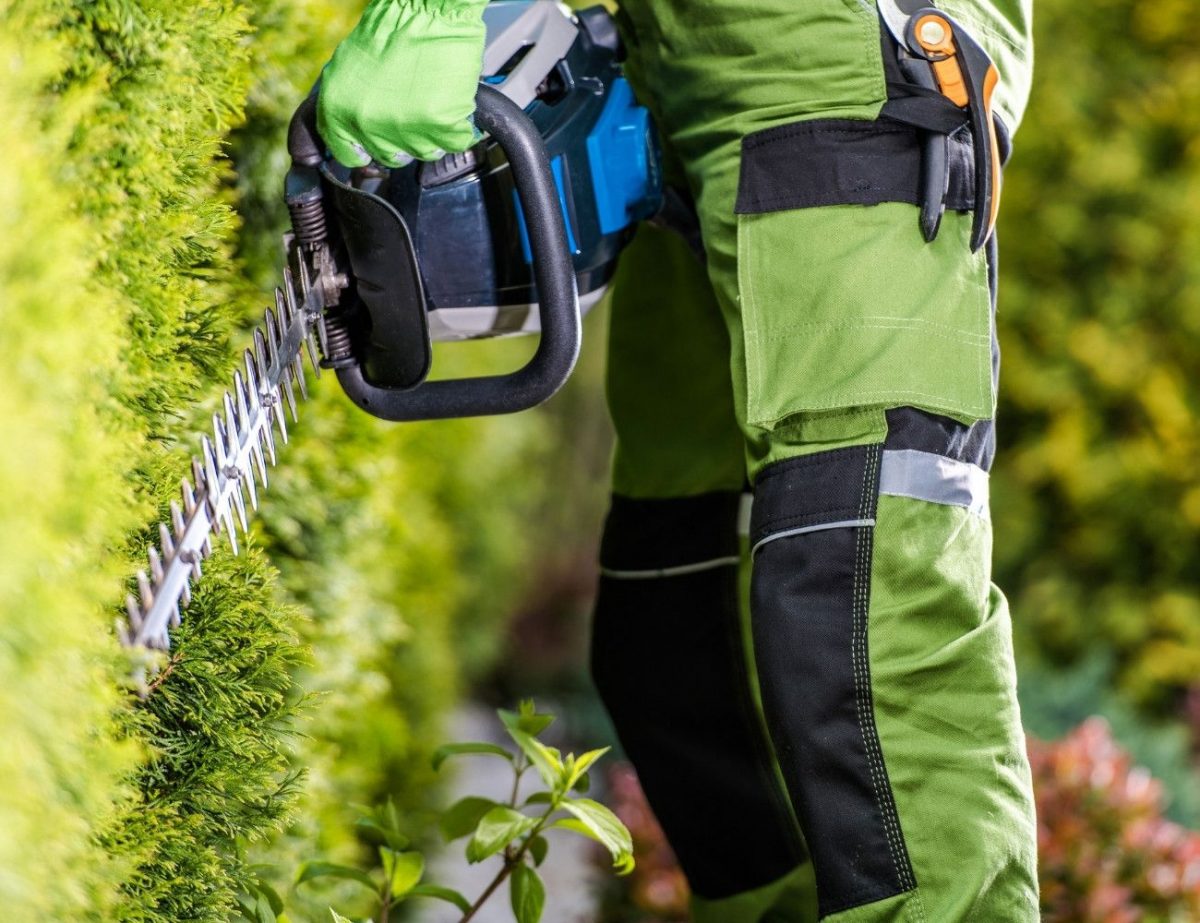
{"x": 811, "y": 536}
{"x": 668, "y": 661}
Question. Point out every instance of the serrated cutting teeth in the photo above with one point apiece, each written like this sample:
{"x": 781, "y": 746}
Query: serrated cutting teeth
{"x": 232, "y": 459}
{"x": 287, "y": 368}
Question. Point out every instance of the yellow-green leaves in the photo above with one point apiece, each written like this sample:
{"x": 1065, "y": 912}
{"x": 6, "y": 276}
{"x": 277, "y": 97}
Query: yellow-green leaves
{"x": 463, "y": 816}
{"x": 402, "y": 870}
{"x": 527, "y": 894}
{"x": 576, "y": 768}
{"x": 510, "y": 833}
{"x": 441, "y": 754}
{"x": 449, "y": 895}
{"x": 497, "y": 829}
{"x": 310, "y": 871}
{"x": 597, "y": 822}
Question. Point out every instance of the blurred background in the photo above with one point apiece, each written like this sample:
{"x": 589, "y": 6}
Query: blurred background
{"x": 405, "y": 580}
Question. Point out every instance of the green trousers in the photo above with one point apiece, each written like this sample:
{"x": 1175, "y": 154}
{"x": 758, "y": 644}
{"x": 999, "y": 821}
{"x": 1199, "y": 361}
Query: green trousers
{"x": 851, "y": 750}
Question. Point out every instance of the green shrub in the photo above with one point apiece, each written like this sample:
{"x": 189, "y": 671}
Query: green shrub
{"x": 1096, "y": 500}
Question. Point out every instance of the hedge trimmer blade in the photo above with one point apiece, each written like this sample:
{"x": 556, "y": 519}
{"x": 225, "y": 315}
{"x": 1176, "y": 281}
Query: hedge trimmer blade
{"x": 232, "y": 463}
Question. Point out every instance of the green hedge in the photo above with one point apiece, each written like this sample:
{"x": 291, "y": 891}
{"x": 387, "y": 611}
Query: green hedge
{"x": 126, "y": 292}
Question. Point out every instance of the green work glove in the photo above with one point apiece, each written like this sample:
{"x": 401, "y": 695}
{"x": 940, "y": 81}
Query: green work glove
{"x": 402, "y": 84}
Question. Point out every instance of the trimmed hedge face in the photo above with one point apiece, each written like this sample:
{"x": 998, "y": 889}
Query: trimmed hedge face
{"x": 125, "y": 293}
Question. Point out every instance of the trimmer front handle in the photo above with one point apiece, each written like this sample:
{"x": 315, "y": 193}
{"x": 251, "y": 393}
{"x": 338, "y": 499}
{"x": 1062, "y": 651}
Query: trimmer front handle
{"x": 553, "y": 271}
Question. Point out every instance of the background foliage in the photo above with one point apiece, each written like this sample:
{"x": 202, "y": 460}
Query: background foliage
{"x": 1096, "y": 494}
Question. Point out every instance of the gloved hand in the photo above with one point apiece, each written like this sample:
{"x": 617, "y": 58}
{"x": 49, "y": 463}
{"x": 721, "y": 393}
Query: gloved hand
{"x": 402, "y": 84}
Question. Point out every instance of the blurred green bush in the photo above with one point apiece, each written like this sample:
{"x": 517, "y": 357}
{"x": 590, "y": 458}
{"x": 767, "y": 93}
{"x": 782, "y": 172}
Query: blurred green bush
{"x": 1096, "y": 496}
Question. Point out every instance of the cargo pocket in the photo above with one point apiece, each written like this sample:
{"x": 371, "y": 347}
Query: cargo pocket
{"x": 843, "y": 303}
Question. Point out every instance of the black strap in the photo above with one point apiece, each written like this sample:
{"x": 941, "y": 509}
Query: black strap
{"x": 844, "y": 162}
{"x": 926, "y": 109}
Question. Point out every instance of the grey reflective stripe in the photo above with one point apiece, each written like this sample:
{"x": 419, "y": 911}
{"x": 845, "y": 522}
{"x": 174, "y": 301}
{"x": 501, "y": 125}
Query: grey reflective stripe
{"x": 677, "y": 571}
{"x": 787, "y": 533}
{"x": 926, "y": 476}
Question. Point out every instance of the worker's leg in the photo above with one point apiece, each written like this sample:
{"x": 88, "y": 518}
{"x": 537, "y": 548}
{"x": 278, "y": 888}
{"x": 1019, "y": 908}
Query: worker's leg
{"x": 863, "y": 385}
{"x": 667, "y": 653}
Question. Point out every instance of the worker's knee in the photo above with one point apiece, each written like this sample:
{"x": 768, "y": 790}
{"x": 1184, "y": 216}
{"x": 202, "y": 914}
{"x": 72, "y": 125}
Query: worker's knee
{"x": 886, "y": 671}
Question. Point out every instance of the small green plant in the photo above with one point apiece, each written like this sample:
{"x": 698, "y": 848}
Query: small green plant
{"x": 515, "y": 830}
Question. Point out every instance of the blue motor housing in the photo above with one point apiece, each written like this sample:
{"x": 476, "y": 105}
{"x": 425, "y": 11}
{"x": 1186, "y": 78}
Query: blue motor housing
{"x": 463, "y": 213}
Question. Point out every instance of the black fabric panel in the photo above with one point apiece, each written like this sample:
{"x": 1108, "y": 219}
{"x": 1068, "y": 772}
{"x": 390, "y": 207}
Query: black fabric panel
{"x": 651, "y": 534}
{"x": 844, "y": 162}
{"x": 668, "y": 661}
{"x": 810, "y": 490}
{"x": 909, "y": 428}
{"x": 809, "y": 598}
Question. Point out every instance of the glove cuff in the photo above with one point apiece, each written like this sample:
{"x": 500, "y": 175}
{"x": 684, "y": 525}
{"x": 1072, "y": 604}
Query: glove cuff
{"x": 456, "y": 10}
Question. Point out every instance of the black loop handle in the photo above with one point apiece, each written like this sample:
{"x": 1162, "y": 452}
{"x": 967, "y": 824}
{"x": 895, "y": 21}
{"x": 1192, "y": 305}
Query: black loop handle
{"x": 303, "y": 143}
{"x": 553, "y": 271}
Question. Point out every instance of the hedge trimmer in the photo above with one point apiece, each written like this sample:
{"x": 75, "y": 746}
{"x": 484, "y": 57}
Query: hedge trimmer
{"x": 502, "y": 239}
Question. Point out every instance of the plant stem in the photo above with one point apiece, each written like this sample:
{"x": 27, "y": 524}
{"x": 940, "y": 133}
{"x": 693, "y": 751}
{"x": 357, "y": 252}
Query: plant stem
{"x": 518, "y": 770}
{"x": 504, "y": 872}
{"x": 385, "y": 909}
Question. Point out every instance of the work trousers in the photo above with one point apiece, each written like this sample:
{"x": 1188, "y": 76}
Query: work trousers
{"x": 851, "y": 748}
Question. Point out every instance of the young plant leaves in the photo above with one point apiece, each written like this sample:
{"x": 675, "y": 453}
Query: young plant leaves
{"x": 382, "y": 824}
{"x": 580, "y": 767}
{"x": 594, "y": 820}
{"x": 497, "y": 828}
{"x": 256, "y": 908}
{"x": 527, "y": 719}
{"x": 318, "y": 869}
{"x": 442, "y": 894}
{"x": 538, "y": 847}
{"x": 544, "y": 759}
{"x": 402, "y": 869}
{"x": 377, "y": 831}
{"x": 527, "y": 893}
{"x": 443, "y": 753}
{"x": 462, "y": 817}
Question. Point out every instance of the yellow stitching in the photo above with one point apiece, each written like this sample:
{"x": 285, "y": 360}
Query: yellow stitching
{"x": 860, "y": 668}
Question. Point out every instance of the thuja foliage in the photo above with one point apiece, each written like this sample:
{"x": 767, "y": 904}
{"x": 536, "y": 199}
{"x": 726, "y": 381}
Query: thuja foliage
{"x": 123, "y": 298}
{"x": 61, "y": 764}
{"x": 1096, "y": 499}
{"x": 120, "y": 296}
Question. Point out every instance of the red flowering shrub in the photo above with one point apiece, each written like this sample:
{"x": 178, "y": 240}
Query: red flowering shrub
{"x": 1106, "y": 853}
